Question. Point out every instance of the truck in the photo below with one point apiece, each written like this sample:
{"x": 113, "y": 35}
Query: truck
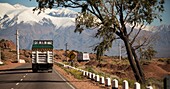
{"x": 42, "y": 55}
{"x": 83, "y": 56}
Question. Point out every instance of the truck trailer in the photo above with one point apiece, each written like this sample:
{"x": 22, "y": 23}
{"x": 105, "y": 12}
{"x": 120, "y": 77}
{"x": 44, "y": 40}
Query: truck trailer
{"x": 42, "y": 55}
{"x": 83, "y": 57}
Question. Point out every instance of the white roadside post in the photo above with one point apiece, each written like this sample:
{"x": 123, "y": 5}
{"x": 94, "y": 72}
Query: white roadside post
{"x": 84, "y": 73}
{"x": 137, "y": 85}
{"x": 108, "y": 82}
{"x": 115, "y": 84}
{"x": 149, "y": 87}
{"x": 125, "y": 85}
{"x": 102, "y": 80}
{"x": 89, "y": 75}
{"x": 93, "y": 76}
{"x": 97, "y": 78}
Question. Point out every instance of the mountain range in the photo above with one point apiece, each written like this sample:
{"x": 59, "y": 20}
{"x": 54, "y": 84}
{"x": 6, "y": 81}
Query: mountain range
{"x": 59, "y": 25}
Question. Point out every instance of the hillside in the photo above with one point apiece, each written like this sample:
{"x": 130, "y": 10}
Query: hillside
{"x": 8, "y": 52}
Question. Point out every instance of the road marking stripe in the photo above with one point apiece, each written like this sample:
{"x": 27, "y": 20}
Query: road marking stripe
{"x": 21, "y": 79}
{"x": 17, "y": 83}
{"x": 24, "y": 76}
{"x": 64, "y": 80}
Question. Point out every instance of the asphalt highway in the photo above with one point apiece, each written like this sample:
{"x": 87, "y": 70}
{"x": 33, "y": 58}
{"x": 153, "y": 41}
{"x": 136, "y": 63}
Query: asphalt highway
{"x": 22, "y": 77}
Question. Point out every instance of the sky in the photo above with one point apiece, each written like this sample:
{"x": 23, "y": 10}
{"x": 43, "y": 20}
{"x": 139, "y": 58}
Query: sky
{"x": 32, "y": 3}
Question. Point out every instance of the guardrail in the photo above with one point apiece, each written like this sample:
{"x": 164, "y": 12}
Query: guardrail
{"x": 105, "y": 81}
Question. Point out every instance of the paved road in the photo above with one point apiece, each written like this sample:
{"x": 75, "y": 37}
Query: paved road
{"x": 23, "y": 78}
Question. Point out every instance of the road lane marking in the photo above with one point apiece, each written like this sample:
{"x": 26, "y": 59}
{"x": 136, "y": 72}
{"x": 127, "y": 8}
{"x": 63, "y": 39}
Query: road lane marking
{"x": 17, "y": 83}
{"x": 21, "y": 79}
{"x": 64, "y": 80}
{"x": 24, "y": 76}
{"x": 12, "y": 88}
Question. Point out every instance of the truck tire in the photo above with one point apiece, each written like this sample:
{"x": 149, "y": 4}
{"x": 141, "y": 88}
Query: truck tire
{"x": 34, "y": 70}
{"x": 50, "y": 70}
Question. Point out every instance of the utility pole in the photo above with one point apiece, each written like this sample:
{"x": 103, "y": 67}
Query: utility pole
{"x": 17, "y": 44}
{"x": 66, "y": 51}
{"x": 120, "y": 50}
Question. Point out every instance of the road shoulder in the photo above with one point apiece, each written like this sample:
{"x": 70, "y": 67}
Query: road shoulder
{"x": 79, "y": 84}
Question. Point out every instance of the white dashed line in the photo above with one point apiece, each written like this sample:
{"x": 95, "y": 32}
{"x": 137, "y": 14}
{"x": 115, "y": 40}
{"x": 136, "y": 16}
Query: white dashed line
{"x": 12, "y": 88}
{"x": 21, "y": 79}
{"x": 24, "y": 76}
{"x": 17, "y": 83}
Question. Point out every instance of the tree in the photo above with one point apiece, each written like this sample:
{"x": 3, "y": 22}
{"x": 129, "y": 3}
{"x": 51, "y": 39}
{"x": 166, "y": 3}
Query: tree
{"x": 110, "y": 18}
{"x": 148, "y": 53}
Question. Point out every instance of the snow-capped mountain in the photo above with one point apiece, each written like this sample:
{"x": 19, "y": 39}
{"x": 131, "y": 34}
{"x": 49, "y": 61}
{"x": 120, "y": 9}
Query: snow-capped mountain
{"x": 58, "y": 25}
{"x": 63, "y": 12}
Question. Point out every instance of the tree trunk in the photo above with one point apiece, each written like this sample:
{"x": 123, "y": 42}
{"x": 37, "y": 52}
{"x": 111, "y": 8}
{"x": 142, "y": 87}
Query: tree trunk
{"x": 132, "y": 61}
{"x": 138, "y": 66}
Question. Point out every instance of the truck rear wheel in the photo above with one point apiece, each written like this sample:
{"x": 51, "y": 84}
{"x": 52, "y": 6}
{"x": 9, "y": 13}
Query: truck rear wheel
{"x": 34, "y": 70}
{"x": 50, "y": 71}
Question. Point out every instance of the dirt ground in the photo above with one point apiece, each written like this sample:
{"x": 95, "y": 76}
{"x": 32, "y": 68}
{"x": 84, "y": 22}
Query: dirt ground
{"x": 9, "y": 65}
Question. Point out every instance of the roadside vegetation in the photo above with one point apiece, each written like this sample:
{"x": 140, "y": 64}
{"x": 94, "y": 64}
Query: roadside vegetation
{"x": 155, "y": 70}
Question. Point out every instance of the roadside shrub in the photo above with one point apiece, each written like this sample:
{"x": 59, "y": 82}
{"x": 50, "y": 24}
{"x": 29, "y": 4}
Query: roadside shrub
{"x": 157, "y": 84}
{"x": 90, "y": 69}
{"x": 166, "y": 60}
{"x": 76, "y": 74}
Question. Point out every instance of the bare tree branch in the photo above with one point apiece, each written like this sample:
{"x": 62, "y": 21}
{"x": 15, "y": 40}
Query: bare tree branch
{"x": 132, "y": 28}
{"x": 134, "y": 38}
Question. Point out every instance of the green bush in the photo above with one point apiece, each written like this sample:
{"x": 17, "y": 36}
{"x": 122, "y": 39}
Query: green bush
{"x": 76, "y": 74}
{"x": 157, "y": 84}
{"x": 90, "y": 69}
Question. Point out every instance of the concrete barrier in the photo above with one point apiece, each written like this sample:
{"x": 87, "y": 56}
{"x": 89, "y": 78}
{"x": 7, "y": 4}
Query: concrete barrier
{"x": 125, "y": 85}
{"x": 149, "y": 87}
{"x": 81, "y": 70}
{"x": 93, "y": 76}
{"x": 102, "y": 80}
{"x": 115, "y": 84}
{"x": 84, "y": 73}
{"x": 137, "y": 85}
{"x": 89, "y": 75}
{"x": 97, "y": 78}
{"x": 66, "y": 66}
{"x": 108, "y": 82}
{"x": 21, "y": 61}
{"x": 1, "y": 63}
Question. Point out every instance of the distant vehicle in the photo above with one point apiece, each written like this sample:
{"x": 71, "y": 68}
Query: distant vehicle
{"x": 83, "y": 57}
{"x": 42, "y": 55}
